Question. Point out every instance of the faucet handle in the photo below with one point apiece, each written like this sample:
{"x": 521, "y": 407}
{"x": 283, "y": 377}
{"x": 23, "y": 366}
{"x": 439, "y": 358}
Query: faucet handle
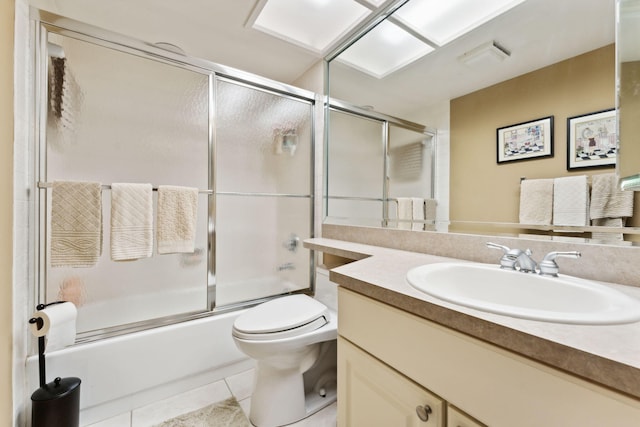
{"x": 549, "y": 266}
{"x": 497, "y": 246}
{"x": 508, "y": 260}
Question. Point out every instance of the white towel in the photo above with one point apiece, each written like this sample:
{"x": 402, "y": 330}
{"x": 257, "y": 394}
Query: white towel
{"x": 131, "y": 221}
{"x": 177, "y": 215}
{"x": 405, "y": 213}
{"x": 607, "y": 200}
{"x": 571, "y": 201}
{"x": 536, "y": 201}
{"x": 430, "y": 206}
{"x": 417, "y": 213}
{"x": 76, "y": 223}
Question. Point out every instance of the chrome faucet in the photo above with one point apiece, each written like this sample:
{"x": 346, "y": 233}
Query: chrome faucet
{"x": 509, "y": 258}
{"x": 515, "y": 259}
{"x": 523, "y": 261}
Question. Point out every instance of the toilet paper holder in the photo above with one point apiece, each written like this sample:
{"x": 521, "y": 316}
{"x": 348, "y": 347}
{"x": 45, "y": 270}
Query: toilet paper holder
{"x": 41, "y": 341}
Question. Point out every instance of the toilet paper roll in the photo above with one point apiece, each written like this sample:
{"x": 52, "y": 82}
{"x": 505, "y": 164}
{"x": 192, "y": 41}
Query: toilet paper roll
{"x": 58, "y": 325}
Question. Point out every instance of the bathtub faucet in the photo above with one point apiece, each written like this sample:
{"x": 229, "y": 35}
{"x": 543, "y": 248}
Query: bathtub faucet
{"x": 286, "y": 266}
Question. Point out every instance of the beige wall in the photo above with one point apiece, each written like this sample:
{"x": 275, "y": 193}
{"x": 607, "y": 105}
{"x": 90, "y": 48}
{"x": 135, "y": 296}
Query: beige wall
{"x": 481, "y": 189}
{"x": 6, "y": 204}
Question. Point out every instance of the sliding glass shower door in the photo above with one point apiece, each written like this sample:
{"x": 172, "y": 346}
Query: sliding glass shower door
{"x": 263, "y": 182}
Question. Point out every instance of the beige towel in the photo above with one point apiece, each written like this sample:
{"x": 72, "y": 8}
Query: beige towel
{"x": 417, "y": 213}
{"x": 607, "y": 200}
{"x": 76, "y": 223}
{"x": 536, "y": 201}
{"x": 131, "y": 221}
{"x": 571, "y": 201}
{"x": 177, "y": 215}
{"x": 405, "y": 212}
{"x": 430, "y": 206}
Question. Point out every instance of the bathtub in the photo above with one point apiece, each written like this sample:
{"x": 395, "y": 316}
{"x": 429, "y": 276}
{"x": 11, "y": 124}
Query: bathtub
{"x": 122, "y": 373}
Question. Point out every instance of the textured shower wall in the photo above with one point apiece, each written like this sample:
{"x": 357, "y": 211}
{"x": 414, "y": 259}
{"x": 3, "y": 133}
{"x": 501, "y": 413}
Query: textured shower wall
{"x": 133, "y": 120}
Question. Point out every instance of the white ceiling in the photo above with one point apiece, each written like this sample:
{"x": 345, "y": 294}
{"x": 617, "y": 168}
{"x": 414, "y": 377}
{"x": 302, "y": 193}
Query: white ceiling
{"x": 537, "y": 32}
{"x": 208, "y": 29}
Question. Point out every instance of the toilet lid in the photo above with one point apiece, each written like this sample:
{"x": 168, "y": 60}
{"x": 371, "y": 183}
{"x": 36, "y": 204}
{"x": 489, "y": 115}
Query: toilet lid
{"x": 283, "y": 314}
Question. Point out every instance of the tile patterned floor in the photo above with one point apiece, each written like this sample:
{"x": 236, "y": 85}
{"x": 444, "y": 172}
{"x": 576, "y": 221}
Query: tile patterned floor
{"x": 237, "y": 385}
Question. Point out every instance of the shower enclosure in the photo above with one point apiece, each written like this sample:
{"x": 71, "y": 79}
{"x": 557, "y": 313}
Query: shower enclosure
{"x": 115, "y": 110}
{"x": 373, "y": 160}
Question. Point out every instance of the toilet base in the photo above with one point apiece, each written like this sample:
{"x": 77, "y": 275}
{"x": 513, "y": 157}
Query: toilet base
{"x": 277, "y": 410}
{"x": 281, "y": 397}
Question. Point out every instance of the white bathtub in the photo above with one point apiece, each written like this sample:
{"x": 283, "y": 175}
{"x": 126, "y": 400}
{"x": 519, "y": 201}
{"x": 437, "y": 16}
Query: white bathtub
{"x": 122, "y": 373}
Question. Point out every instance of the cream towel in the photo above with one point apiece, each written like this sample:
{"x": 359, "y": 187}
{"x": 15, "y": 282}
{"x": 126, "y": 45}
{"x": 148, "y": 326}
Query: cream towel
{"x": 417, "y": 213}
{"x": 430, "y": 206}
{"x": 405, "y": 212}
{"x": 177, "y": 215}
{"x": 571, "y": 201}
{"x": 607, "y": 200}
{"x": 76, "y": 223}
{"x": 536, "y": 201}
{"x": 131, "y": 221}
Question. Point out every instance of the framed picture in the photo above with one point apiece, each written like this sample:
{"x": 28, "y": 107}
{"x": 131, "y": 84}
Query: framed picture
{"x": 592, "y": 140}
{"x": 524, "y": 141}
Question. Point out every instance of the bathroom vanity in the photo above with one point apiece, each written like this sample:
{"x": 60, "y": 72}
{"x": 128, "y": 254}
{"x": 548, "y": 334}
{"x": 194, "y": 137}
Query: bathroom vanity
{"x": 405, "y": 357}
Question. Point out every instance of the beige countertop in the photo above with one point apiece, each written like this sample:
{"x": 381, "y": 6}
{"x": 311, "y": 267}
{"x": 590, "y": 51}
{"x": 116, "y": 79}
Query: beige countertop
{"x": 608, "y": 355}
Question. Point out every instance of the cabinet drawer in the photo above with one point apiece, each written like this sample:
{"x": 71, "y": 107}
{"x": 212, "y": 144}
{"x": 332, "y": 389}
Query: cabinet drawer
{"x": 374, "y": 395}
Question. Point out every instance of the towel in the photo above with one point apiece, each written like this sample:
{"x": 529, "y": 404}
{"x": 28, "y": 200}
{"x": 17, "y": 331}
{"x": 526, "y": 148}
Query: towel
{"x": 571, "y": 201}
{"x": 603, "y": 236}
{"x": 536, "y": 201}
{"x": 177, "y": 215}
{"x": 607, "y": 200}
{"x": 131, "y": 221}
{"x": 76, "y": 223}
{"x": 417, "y": 213}
{"x": 430, "y": 213}
{"x": 405, "y": 213}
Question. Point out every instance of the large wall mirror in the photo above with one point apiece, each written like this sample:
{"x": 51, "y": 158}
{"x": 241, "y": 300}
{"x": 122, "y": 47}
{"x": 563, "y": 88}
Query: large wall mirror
{"x": 628, "y": 42}
{"x": 519, "y": 95}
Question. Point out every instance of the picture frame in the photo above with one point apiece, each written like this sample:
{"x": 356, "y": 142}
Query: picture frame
{"x": 592, "y": 140}
{"x": 525, "y": 141}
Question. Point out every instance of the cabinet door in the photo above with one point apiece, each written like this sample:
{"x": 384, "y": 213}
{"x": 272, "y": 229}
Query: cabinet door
{"x": 372, "y": 394}
{"x": 457, "y": 418}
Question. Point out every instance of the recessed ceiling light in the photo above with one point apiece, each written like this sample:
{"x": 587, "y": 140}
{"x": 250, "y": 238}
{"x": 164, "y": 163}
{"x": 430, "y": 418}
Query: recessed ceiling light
{"x": 313, "y": 24}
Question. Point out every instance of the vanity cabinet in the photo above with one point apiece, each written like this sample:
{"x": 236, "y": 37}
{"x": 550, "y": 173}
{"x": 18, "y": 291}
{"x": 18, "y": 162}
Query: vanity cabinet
{"x": 377, "y": 395}
{"x": 382, "y": 348}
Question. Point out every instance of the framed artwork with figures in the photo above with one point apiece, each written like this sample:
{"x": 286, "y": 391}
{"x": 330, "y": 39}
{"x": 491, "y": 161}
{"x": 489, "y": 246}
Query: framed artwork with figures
{"x": 592, "y": 140}
{"x": 527, "y": 140}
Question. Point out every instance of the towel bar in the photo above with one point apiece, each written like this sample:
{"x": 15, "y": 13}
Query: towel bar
{"x": 108, "y": 187}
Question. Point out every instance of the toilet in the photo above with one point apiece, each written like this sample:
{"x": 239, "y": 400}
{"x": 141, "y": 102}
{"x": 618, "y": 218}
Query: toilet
{"x": 293, "y": 341}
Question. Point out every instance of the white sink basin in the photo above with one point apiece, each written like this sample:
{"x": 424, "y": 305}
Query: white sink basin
{"x": 562, "y": 299}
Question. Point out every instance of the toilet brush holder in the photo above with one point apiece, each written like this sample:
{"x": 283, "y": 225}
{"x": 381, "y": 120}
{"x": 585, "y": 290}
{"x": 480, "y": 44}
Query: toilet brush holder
{"x": 56, "y": 404}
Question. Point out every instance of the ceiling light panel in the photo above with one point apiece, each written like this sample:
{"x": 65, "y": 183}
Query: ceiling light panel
{"x": 443, "y": 21}
{"x": 313, "y": 24}
{"x": 383, "y": 50}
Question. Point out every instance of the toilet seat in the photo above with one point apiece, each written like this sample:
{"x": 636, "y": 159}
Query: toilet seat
{"x": 283, "y": 317}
